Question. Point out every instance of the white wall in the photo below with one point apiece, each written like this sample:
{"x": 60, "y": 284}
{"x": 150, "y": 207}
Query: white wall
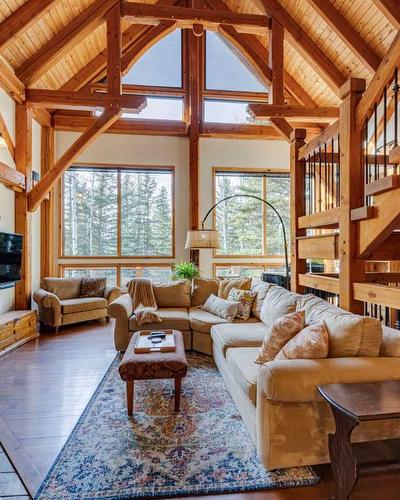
{"x": 7, "y": 211}
{"x": 174, "y": 151}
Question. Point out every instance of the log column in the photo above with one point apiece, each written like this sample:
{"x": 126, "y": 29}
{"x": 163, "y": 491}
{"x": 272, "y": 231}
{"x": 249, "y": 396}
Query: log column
{"x": 47, "y": 247}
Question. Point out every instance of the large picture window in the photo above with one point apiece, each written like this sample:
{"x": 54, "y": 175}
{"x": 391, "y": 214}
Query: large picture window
{"x": 246, "y": 226}
{"x": 111, "y": 212}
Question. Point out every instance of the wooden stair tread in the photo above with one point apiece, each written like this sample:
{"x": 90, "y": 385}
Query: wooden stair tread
{"x": 394, "y": 155}
{"x": 363, "y": 213}
{"x": 326, "y": 218}
{"x": 382, "y": 185}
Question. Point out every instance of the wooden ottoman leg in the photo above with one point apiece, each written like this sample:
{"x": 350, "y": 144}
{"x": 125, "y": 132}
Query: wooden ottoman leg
{"x": 178, "y": 384}
{"x": 129, "y": 396}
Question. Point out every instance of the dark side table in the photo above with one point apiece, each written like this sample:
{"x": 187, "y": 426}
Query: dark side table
{"x": 350, "y": 405}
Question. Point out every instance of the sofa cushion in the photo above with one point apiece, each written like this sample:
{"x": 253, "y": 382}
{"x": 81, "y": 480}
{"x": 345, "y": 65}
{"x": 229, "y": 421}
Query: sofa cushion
{"x": 64, "y": 288}
{"x": 226, "y": 285}
{"x": 174, "y": 294}
{"x": 70, "y": 306}
{"x": 278, "y": 303}
{"x": 176, "y": 318}
{"x": 202, "y": 321}
{"x": 238, "y": 335}
{"x": 349, "y": 334}
{"x": 261, "y": 288}
{"x": 390, "y": 343}
{"x": 240, "y": 361}
{"x": 202, "y": 288}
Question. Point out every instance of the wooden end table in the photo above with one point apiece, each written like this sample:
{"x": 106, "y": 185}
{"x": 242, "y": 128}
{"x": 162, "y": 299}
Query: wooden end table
{"x": 153, "y": 365}
{"x": 350, "y": 405}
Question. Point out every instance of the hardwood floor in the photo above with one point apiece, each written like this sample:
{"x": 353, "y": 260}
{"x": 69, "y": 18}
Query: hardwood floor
{"x": 46, "y": 384}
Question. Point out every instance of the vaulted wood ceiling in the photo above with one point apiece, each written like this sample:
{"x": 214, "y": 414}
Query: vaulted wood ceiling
{"x": 353, "y": 50}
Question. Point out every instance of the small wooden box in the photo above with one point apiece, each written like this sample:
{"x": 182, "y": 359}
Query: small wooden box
{"x": 143, "y": 345}
{"x": 16, "y": 328}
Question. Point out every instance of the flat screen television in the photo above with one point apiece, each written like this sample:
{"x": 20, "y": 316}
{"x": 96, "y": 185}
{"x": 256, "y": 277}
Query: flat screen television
{"x": 10, "y": 257}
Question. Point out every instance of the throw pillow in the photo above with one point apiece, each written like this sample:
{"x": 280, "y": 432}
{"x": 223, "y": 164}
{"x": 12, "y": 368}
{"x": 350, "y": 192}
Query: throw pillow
{"x": 261, "y": 288}
{"x": 202, "y": 288}
{"x": 310, "y": 343}
{"x": 277, "y": 303}
{"x": 245, "y": 298}
{"x": 226, "y": 285}
{"x": 225, "y": 309}
{"x": 93, "y": 287}
{"x": 279, "y": 334}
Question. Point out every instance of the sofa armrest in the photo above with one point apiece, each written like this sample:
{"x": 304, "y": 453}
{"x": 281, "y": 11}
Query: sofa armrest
{"x": 112, "y": 293}
{"x": 121, "y": 309}
{"x": 295, "y": 381}
{"x": 46, "y": 299}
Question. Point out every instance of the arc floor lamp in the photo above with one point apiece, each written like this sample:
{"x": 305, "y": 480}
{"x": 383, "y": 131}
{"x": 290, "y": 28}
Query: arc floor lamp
{"x": 209, "y": 238}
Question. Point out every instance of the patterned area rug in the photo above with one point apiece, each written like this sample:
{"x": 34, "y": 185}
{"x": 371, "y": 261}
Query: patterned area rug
{"x": 156, "y": 453}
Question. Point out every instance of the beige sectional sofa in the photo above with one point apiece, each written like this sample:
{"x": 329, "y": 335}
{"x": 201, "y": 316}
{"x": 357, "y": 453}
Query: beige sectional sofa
{"x": 287, "y": 419}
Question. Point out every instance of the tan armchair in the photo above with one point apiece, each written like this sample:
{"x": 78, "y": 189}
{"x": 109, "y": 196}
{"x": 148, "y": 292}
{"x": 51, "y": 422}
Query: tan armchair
{"x": 59, "y": 302}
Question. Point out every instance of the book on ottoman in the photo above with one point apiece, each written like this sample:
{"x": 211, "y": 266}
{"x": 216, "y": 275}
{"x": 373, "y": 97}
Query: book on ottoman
{"x": 155, "y": 341}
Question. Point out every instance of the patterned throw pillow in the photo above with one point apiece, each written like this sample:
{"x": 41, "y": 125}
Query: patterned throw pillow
{"x": 310, "y": 343}
{"x": 279, "y": 334}
{"x": 93, "y": 287}
{"x": 245, "y": 297}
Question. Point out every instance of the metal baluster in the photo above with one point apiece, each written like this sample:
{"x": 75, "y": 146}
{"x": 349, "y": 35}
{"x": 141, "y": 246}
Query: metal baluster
{"x": 384, "y": 131}
{"x": 338, "y": 175}
{"x": 376, "y": 173}
{"x": 332, "y": 173}
{"x": 396, "y": 89}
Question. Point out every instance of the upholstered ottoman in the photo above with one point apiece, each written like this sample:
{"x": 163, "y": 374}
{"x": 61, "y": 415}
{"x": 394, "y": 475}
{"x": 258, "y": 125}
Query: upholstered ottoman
{"x": 153, "y": 365}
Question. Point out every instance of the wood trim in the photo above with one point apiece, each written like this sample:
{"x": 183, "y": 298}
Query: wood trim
{"x": 11, "y": 178}
{"x": 240, "y": 131}
{"x": 38, "y": 193}
{"x": 329, "y": 133}
{"x": 43, "y": 59}
{"x": 297, "y": 37}
{"x": 326, "y": 219}
{"x": 320, "y": 282}
{"x": 10, "y": 83}
{"x": 382, "y": 277}
{"x": 263, "y": 265}
{"x": 377, "y": 294}
{"x": 339, "y": 24}
{"x": 390, "y": 9}
{"x": 380, "y": 79}
{"x": 264, "y": 111}
{"x": 6, "y": 136}
{"x": 141, "y": 90}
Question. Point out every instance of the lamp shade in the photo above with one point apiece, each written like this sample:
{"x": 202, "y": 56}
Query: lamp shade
{"x": 202, "y": 238}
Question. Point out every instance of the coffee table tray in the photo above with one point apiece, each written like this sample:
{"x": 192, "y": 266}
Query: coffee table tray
{"x": 144, "y": 345}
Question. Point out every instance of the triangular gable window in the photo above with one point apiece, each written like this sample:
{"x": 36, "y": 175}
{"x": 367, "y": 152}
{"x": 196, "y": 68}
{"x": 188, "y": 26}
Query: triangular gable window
{"x": 160, "y": 66}
{"x": 225, "y": 70}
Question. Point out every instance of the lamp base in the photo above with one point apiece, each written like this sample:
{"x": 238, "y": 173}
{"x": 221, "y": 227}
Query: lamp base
{"x": 195, "y": 257}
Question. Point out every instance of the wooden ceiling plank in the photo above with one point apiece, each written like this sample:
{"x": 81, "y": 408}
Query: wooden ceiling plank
{"x": 38, "y": 193}
{"x": 390, "y": 9}
{"x": 58, "y": 99}
{"x": 10, "y": 82}
{"x": 148, "y": 13}
{"x": 114, "y": 50}
{"x": 22, "y": 19}
{"x": 378, "y": 82}
{"x": 347, "y": 33}
{"x": 303, "y": 43}
{"x": 58, "y": 46}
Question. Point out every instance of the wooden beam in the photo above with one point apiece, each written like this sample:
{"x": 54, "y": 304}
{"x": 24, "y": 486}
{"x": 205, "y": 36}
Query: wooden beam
{"x": 351, "y": 194}
{"x": 326, "y": 219}
{"x": 391, "y": 10}
{"x": 103, "y": 122}
{"x": 314, "y": 55}
{"x": 387, "y": 296}
{"x": 114, "y": 49}
{"x": 6, "y": 136}
{"x": 47, "y": 229}
{"x": 297, "y": 208}
{"x": 186, "y": 17}
{"x": 330, "y": 132}
{"x": 256, "y": 57}
{"x": 42, "y": 116}
{"x": 10, "y": 83}
{"x": 321, "y": 246}
{"x": 380, "y": 79}
{"x": 23, "y": 220}
{"x": 59, "y": 99}
{"x": 339, "y": 24}
{"x": 240, "y": 131}
{"x": 22, "y": 19}
{"x": 265, "y": 111}
{"x": 124, "y": 125}
{"x": 57, "y": 47}
{"x": 328, "y": 284}
{"x": 11, "y": 177}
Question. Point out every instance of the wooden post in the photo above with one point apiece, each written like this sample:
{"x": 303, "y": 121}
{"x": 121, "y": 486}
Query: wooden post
{"x": 352, "y": 269}
{"x": 114, "y": 50}
{"x": 297, "y": 206}
{"x": 23, "y": 223}
{"x": 47, "y": 247}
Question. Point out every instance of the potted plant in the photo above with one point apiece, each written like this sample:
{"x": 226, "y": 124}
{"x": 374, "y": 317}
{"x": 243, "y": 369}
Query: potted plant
{"x": 185, "y": 270}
